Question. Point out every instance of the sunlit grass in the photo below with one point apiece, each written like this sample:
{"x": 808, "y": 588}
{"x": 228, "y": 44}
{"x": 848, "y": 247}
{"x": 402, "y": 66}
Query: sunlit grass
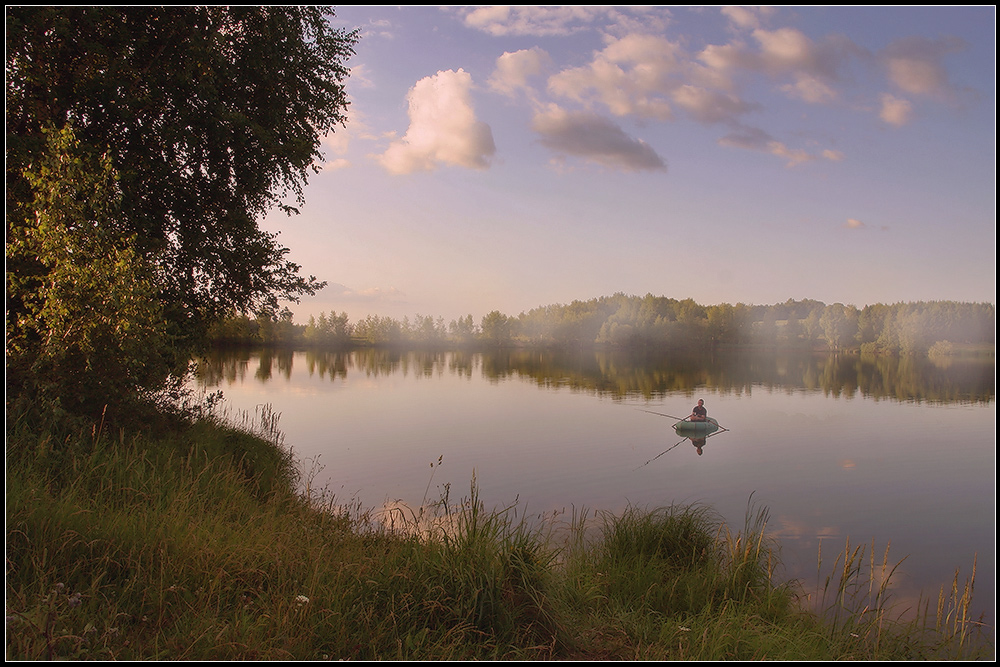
{"x": 198, "y": 545}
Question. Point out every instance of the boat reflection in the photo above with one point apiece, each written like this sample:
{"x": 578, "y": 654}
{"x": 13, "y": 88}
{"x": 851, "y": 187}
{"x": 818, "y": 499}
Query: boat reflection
{"x": 697, "y": 441}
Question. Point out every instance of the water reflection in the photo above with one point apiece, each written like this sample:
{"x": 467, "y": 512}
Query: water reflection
{"x": 620, "y": 374}
{"x": 698, "y": 443}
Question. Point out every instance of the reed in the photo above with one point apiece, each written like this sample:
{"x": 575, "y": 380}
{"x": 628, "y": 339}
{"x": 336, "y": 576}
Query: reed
{"x": 855, "y": 601}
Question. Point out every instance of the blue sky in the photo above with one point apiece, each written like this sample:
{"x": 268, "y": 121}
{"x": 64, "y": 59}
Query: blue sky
{"x": 508, "y": 158}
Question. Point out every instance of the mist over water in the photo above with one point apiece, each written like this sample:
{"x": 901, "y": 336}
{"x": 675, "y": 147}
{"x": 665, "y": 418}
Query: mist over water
{"x": 841, "y": 450}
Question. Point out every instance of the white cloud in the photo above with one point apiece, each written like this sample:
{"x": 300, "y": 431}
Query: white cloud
{"x": 915, "y": 65}
{"x": 755, "y": 139}
{"x": 342, "y": 292}
{"x": 813, "y": 67}
{"x": 443, "y": 128}
{"x": 746, "y": 17}
{"x": 335, "y": 145}
{"x": 785, "y": 48}
{"x": 794, "y": 157}
{"x": 359, "y": 77}
{"x": 536, "y": 20}
{"x": 708, "y": 106}
{"x": 380, "y": 28}
{"x": 595, "y": 139}
{"x": 631, "y": 75}
{"x": 514, "y": 69}
{"x": 722, "y": 57}
{"x": 810, "y": 89}
{"x": 895, "y": 111}
{"x": 854, "y": 223}
{"x": 648, "y": 75}
{"x": 338, "y": 163}
{"x": 651, "y": 77}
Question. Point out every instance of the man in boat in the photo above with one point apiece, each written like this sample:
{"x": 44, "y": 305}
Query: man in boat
{"x": 699, "y": 414}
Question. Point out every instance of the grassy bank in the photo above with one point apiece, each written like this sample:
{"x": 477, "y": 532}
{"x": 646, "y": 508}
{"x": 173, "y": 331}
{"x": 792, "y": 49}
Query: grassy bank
{"x": 194, "y": 545}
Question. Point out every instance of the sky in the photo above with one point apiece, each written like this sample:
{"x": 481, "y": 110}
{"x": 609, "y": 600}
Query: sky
{"x": 506, "y": 158}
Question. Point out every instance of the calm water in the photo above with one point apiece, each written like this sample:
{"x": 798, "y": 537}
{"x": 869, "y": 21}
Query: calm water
{"x": 902, "y": 453}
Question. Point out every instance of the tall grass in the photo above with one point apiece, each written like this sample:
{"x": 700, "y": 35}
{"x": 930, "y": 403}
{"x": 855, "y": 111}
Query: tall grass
{"x": 855, "y": 600}
{"x": 197, "y": 544}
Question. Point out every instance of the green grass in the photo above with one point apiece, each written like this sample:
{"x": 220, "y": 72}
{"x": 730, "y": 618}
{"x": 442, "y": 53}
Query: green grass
{"x": 192, "y": 544}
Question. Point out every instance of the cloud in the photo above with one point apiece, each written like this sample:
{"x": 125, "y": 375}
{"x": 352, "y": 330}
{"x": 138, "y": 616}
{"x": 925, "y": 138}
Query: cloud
{"x": 335, "y": 145}
{"x": 895, "y": 111}
{"x": 596, "y": 139}
{"x": 811, "y": 90}
{"x": 914, "y": 65}
{"x": 813, "y": 66}
{"x": 631, "y": 75}
{"x": 378, "y": 28}
{"x": 787, "y": 50}
{"x": 341, "y": 293}
{"x": 708, "y": 106}
{"x": 360, "y": 77}
{"x": 537, "y": 21}
{"x": 648, "y": 75}
{"x": 333, "y": 165}
{"x": 443, "y": 128}
{"x": 651, "y": 77}
{"x": 755, "y": 139}
{"x": 746, "y": 17}
{"x": 335, "y": 142}
{"x": 514, "y": 69}
{"x": 854, "y": 223}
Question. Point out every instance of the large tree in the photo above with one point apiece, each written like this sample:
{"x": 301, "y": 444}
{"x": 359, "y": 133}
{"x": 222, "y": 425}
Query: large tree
{"x": 206, "y": 117}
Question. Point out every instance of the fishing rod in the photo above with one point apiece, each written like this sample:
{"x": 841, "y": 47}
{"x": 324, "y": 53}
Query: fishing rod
{"x": 659, "y": 455}
{"x": 663, "y": 415}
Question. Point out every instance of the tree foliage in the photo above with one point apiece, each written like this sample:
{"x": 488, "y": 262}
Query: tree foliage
{"x": 91, "y": 326}
{"x": 210, "y": 116}
{"x": 204, "y": 118}
{"x": 497, "y": 328}
{"x": 334, "y": 330}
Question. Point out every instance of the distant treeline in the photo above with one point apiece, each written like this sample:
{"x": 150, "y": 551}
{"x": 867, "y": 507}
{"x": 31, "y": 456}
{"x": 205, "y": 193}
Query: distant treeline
{"x": 633, "y": 322}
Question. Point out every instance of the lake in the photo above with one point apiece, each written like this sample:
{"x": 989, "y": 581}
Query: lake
{"x": 899, "y": 453}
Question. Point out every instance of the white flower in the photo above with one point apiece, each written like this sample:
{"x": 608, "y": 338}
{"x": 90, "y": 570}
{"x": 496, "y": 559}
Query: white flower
{"x": 301, "y": 600}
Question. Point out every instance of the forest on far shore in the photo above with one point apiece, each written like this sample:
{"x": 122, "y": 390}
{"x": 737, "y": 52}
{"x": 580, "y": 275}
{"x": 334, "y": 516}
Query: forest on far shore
{"x": 936, "y": 327}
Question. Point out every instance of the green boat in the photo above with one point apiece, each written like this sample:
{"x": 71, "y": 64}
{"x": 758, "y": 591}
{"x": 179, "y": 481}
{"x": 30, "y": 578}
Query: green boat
{"x": 696, "y": 428}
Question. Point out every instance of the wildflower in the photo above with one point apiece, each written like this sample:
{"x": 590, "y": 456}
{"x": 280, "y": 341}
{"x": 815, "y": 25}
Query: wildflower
{"x": 74, "y": 600}
{"x": 301, "y": 600}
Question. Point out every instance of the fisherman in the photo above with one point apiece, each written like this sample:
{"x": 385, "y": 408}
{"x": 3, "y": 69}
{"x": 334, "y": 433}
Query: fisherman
{"x": 699, "y": 413}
